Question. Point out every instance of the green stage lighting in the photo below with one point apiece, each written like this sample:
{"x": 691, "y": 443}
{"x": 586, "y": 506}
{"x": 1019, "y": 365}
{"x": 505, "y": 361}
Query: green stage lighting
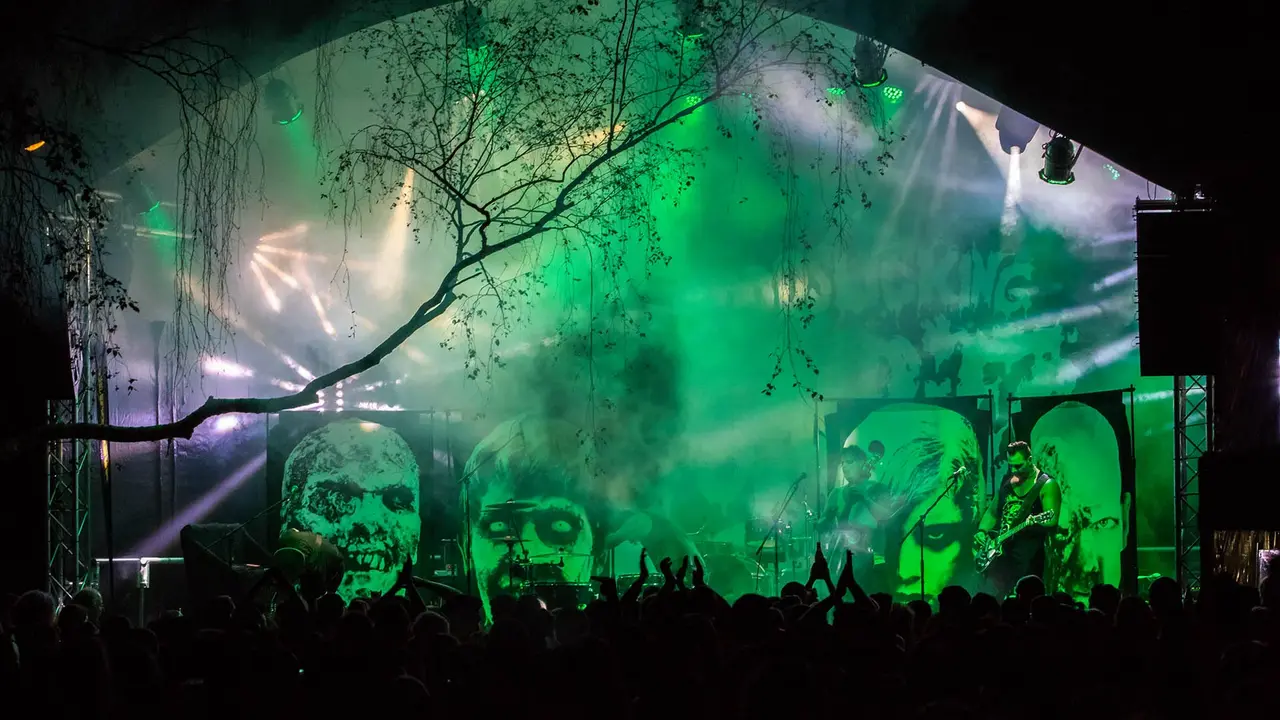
{"x": 837, "y": 91}
{"x": 139, "y": 198}
{"x": 1111, "y": 169}
{"x": 1060, "y": 157}
{"x": 470, "y": 24}
{"x": 691, "y": 12}
{"x": 869, "y": 55}
{"x": 892, "y": 94}
{"x": 281, "y": 102}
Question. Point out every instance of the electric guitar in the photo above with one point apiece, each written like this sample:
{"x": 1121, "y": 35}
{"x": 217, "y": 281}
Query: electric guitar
{"x": 987, "y": 552}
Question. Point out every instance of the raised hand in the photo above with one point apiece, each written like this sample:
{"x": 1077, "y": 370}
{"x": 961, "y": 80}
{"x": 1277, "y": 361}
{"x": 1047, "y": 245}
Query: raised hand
{"x": 644, "y": 565}
{"x": 846, "y": 574}
{"x": 699, "y": 573}
{"x": 819, "y": 571}
{"x": 684, "y": 570}
{"x": 668, "y": 576}
{"x": 405, "y": 578}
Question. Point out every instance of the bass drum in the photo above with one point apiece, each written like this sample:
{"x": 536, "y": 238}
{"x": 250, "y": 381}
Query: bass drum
{"x": 565, "y": 595}
{"x": 733, "y": 576}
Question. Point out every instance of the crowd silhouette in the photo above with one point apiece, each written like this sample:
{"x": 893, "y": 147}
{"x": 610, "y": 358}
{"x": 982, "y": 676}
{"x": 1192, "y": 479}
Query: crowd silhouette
{"x": 668, "y": 649}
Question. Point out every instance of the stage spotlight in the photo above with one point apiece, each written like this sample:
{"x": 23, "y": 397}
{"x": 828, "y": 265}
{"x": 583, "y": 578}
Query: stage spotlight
{"x": 690, "y": 27}
{"x": 1060, "y": 157}
{"x": 960, "y": 106}
{"x": 892, "y": 94}
{"x": 1016, "y": 130}
{"x": 282, "y": 102}
{"x": 138, "y": 198}
{"x": 470, "y": 25}
{"x": 868, "y": 62}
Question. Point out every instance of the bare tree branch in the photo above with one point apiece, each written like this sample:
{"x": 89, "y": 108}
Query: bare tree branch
{"x": 555, "y": 123}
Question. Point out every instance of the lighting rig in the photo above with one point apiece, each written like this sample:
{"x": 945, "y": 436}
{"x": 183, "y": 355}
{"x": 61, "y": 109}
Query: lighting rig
{"x": 1060, "y": 157}
{"x": 1015, "y": 130}
{"x": 691, "y": 11}
{"x": 869, "y": 55}
{"x": 281, "y": 102}
{"x": 469, "y": 24}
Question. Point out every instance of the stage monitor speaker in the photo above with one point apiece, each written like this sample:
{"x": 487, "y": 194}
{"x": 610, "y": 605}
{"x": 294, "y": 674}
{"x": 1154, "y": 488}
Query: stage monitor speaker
{"x": 1181, "y": 303}
{"x": 1238, "y": 496}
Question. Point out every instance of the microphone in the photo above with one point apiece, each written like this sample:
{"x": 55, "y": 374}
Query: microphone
{"x": 962, "y": 470}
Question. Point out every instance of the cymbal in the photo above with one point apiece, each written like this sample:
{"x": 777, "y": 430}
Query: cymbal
{"x": 561, "y": 554}
{"x": 511, "y": 505}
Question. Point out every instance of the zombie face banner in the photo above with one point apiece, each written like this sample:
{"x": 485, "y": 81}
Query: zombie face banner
{"x": 356, "y": 480}
{"x": 528, "y": 496}
{"x": 1084, "y": 443}
{"x": 902, "y": 458}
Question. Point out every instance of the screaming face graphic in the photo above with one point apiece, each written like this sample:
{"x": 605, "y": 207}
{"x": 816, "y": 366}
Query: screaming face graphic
{"x": 536, "y": 463}
{"x": 356, "y": 484}
{"x": 922, "y": 446}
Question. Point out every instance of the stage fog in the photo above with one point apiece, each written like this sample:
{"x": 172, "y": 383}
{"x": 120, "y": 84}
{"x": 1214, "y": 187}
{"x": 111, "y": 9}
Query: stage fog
{"x": 668, "y": 390}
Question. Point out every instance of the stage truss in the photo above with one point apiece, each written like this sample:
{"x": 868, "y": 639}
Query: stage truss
{"x": 1193, "y": 409}
{"x": 71, "y": 463}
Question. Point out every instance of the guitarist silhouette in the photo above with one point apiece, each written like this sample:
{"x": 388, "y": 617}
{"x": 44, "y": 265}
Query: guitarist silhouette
{"x": 1025, "y": 494}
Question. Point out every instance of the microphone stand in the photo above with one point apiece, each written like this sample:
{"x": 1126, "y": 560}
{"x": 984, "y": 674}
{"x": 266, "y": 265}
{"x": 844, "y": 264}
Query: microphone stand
{"x": 284, "y": 499}
{"x": 773, "y": 531}
{"x": 919, "y": 526}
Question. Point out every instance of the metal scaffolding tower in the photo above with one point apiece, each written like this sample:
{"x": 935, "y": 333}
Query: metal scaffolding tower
{"x": 1193, "y": 409}
{"x": 70, "y": 471}
{"x": 72, "y": 464}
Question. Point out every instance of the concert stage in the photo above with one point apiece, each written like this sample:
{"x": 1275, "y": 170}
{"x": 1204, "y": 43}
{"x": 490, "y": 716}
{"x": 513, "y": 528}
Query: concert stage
{"x": 793, "y": 271}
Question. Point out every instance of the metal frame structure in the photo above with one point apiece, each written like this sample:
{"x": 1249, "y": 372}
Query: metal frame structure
{"x": 71, "y": 463}
{"x": 70, "y": 476}
{"x": 1193, "y": 408}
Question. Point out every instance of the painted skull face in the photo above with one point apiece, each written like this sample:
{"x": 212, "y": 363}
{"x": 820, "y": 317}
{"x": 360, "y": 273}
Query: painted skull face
{"x": 356, "y": 483}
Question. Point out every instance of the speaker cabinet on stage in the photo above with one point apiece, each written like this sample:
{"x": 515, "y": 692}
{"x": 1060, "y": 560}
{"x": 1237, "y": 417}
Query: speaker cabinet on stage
{"x": 1239, "y": 490}
{"x": 1182, "y": 291}
{"x": 1239, "y": 494}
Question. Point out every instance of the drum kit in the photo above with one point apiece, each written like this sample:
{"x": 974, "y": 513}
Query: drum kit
{"x": 538, "y": 574}
{"x": 769, "y": 556}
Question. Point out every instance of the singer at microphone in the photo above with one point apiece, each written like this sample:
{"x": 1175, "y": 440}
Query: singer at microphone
{"x": 850, "y": 519}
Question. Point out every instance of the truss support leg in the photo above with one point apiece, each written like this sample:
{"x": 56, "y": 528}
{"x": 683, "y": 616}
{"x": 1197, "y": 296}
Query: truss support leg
{"x": 1193, "y": 419}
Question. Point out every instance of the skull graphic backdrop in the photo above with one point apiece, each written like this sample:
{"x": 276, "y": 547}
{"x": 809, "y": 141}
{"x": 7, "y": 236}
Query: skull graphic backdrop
{"x": 356, "y": 483}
